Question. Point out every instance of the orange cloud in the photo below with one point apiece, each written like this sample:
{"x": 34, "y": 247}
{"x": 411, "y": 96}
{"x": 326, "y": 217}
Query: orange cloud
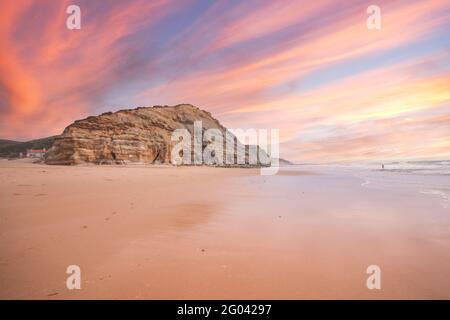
{"x": 54, "y": 77}
{"x": 244, "y": 61}
{"x": 338, "y": 40}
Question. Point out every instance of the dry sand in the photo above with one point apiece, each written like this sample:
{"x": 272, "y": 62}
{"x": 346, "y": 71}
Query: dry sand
{"x": 199, "y": 232}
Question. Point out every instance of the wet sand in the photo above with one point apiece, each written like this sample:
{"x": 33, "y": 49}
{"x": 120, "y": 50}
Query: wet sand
{"x": 199, "y": 232}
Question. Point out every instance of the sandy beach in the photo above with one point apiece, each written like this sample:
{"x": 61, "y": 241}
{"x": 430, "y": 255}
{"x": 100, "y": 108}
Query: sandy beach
{"x": 164, "y": 232}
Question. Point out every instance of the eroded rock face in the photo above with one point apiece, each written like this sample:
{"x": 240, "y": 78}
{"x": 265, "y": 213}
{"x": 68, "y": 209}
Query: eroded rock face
{"x": 141, "y": 135}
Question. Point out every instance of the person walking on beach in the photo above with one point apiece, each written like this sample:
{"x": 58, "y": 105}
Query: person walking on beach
{"x": 382, "y": 166}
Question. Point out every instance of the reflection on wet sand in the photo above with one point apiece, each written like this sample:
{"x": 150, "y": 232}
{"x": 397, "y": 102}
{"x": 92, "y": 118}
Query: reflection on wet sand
{"x": 198, "y": 232}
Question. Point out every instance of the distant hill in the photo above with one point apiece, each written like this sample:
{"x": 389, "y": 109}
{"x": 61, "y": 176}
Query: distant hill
{"x": 284, "y": 162}
{"x": 7, "y": 143}
{"x": 10, "y": 148}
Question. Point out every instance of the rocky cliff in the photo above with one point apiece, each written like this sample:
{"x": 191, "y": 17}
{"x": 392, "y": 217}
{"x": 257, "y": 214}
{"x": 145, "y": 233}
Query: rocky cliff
{"x": 141, "y": 135}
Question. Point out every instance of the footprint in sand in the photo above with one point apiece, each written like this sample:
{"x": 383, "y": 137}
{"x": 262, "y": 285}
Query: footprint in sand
{"x": 52, "y": 294}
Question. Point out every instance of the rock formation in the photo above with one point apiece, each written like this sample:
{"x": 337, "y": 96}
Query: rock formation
{"x": 141, "y": 135}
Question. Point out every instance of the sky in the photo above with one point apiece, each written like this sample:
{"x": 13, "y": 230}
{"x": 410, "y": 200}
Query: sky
{"x": 336, "y": 90}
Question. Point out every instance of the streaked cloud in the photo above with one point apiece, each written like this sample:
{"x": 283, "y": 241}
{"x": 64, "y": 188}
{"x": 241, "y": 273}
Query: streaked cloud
{"x": 336, "y": 90}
